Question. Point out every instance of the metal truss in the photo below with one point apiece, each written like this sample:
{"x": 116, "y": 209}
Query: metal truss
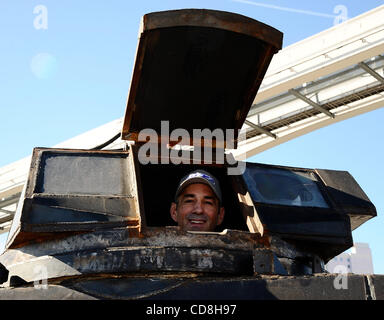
{"x": 329, "y": 77}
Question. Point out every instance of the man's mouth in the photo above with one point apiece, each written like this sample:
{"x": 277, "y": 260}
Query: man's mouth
{"x": 195, "y": 221}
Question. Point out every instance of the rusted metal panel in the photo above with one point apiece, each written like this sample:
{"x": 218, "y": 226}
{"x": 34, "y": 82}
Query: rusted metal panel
{"x": 347, "y": 196}
{"x": 212, "y": 19}
{"x": 44, "y": 292}
{"x": 298, "y": 204}
{"x": 247, "y": 207}
{"x": 136, "y": 260}
{"x": 76, "y": 191}
{"x": 265, "y": 261}
{"x": 173, "y": 287}
{"x": 155, "y": 250}
{"x": 152, "y": 236}
{"x": 197, "y": 69}
{"x": 376, "y": 284}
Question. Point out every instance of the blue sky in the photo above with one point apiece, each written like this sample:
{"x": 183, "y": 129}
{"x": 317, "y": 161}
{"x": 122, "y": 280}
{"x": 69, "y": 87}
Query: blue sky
{"x": 73, "y": 76}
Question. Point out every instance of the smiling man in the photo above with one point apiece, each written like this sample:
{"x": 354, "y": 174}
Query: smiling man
{"x": 198, "y": 202}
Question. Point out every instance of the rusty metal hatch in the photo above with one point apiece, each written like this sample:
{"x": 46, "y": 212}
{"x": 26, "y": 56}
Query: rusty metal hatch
{"x": 197, "y": 69}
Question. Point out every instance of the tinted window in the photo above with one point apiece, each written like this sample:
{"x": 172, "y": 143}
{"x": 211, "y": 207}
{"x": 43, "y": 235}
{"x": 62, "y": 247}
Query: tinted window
{"x": 283, "y": 186}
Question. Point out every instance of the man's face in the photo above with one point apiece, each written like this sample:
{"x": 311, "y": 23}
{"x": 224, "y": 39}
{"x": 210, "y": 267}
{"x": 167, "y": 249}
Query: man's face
{"x": 197, "y": 209}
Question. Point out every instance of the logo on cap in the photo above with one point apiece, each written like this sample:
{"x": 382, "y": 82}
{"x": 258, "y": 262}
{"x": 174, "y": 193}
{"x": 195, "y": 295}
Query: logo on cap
{"x": 207, "y": 179}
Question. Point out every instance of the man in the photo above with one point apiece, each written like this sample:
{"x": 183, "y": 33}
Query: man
{"x": 198, "y": 202}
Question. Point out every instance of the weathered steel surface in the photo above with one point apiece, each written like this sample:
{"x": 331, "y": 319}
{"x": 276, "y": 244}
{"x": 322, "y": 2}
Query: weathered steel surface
{"x": 151, "y": 236}
{"x": 155, "y": 250}
{"x": 377, "y": 285}
{"x": 135, "y": 260}
{"x": 190, "y": 287}
{"x": 74, "y": 191}
{"x": 48, "y": 292}
{"x": 269, "y": 288}
{"x": 213, "y": 19}
{"x": 266, "y": 262}
{"x": 316, "y": 210}
{"x": 347, "y": 196}
{"x": 197, "y": 69}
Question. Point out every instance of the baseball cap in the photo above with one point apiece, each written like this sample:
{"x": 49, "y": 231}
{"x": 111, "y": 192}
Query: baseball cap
{"x": 199, "y": 176}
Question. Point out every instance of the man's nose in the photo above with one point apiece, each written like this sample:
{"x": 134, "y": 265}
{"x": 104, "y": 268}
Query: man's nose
{"x": 198, "y": 207}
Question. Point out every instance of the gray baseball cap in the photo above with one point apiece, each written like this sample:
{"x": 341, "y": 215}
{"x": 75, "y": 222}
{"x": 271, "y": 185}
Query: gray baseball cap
{"x": 199, "y": 176}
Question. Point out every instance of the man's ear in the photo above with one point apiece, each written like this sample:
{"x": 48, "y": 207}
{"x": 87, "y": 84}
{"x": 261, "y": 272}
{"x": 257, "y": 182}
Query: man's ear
{"x": 220, "y": 216}
{"x": 173, "y": 211}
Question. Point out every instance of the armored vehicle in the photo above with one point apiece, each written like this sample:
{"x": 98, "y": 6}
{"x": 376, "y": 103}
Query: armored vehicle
{"x": 95, "y": 224}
